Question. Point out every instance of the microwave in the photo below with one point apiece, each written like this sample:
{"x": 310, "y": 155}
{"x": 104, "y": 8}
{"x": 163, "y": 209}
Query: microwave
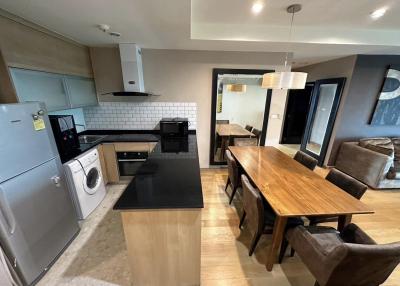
{"x": 174, "y": 127}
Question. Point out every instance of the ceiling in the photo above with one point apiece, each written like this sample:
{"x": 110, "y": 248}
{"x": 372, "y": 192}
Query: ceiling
{"x": 324, "y": 29}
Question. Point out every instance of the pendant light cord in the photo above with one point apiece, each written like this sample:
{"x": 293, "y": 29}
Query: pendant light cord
{"x": 290, "y": 39}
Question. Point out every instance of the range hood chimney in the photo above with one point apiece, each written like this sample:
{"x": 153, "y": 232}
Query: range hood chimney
{"x": 132, "y": 71}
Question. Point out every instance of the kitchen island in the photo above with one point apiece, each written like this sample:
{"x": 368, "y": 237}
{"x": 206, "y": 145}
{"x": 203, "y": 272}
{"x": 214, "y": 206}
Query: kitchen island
{"x": 161, "y": 215}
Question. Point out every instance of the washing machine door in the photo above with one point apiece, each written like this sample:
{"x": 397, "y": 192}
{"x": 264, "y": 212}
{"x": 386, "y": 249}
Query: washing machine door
{"x": 91, "y": 181}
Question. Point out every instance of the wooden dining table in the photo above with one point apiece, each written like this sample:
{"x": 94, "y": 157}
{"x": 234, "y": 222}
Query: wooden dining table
{"x": 226, "y": 131}
{"x": 293, "y": 190}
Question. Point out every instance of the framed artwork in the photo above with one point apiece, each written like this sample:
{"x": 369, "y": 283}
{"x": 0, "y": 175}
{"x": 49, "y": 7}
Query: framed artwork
{"x": 387, "y": 109}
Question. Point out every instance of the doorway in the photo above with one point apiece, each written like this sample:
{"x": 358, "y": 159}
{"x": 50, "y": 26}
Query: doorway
{"x": 239, "y": 110}
{"x": 298, "y": 105}
{"x": 321, "y": 118}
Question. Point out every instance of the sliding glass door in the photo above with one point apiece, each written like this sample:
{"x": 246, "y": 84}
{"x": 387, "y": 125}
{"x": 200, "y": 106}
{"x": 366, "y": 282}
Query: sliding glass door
{"x": 324, "y": 104}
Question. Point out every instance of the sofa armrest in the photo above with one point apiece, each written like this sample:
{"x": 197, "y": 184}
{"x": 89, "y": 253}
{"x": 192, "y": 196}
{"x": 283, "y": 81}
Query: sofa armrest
{"x": 368, "y": 166}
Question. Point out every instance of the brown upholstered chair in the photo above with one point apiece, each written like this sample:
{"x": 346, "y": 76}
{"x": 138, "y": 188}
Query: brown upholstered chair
{"x": 249, "y": 128}
{"x": 245, "y": 141}
{"x": 306, "y": 160}
{"x": 257, "y": 133}
{"x": 259, "y": 216}
{"x": 349, "y": 258}
{"x": 346, "y": 183}
{"x": 233, "y": 174}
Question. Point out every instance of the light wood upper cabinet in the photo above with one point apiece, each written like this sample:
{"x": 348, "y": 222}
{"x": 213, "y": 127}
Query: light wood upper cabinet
{"x": 57, "y": 91}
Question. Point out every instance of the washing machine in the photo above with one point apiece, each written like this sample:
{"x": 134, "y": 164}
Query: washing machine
{"x": 86, "y": 182}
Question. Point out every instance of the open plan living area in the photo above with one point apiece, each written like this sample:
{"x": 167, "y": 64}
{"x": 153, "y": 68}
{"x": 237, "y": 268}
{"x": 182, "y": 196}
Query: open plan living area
{"x": 199, "y": 142}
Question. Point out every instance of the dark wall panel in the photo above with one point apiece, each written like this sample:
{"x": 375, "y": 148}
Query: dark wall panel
{"x": 365, "y": 85}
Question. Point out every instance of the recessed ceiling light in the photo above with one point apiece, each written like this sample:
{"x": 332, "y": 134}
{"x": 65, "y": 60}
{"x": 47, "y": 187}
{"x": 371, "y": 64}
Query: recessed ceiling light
{"x": 378, "y": 13}
{"x": 257, "y": 7}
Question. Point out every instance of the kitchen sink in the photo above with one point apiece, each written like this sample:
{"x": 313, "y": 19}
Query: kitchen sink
{"x": 90, "y": 139}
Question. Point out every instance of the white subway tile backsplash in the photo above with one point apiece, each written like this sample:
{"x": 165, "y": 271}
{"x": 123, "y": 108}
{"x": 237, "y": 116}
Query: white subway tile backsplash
{"x": 137, "y": 115}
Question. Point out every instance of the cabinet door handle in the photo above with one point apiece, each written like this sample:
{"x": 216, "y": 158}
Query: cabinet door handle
{"x": 56, "y": 180}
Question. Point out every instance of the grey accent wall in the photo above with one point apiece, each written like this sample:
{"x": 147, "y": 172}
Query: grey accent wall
{"x": 364, "y": 88}
{"x": 342, "y": 67}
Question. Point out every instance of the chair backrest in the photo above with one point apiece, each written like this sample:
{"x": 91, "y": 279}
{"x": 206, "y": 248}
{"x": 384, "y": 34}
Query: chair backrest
{"x": 233, "y": 170}
{"x": 306, "y": 160}
{"x": 222, "y": 121}
{"x": 252, "y": 205}
{"x": 362, "y": 264}
{"x": 257, "y": 133}
{"x": 245, "y": 141}
{"x": 346, "y": 183}
{"x": 249, "y": 128}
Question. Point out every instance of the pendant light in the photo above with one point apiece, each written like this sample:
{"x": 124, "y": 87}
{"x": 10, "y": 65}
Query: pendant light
{"x": 290, "y": 79}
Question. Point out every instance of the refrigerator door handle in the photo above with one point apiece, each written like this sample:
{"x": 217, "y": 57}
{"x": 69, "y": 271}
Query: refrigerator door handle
{"x": 6, "y": 213}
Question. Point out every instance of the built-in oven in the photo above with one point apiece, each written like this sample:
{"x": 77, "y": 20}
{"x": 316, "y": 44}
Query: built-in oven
{"x": 130, "y": 162}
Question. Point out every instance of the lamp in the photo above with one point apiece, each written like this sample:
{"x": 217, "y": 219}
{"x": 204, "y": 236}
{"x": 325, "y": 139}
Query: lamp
{"x": 237, "y": 87}
{"x": 286, "y": 80}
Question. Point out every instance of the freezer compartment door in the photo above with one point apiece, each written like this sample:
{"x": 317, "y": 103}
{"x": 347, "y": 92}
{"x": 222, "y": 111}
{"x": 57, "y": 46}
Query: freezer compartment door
{"x": 23, "y": 147}
{"x": 37, "y": 218}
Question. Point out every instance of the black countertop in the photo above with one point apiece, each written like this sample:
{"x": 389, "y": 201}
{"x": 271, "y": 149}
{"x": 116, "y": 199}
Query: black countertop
{"x": 170, "y": 178}
{"x": 118, "y": 138}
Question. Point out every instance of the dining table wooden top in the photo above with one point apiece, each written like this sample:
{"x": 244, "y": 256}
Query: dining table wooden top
{"x": 232, "y": 129}
{"x": 292, "y": 189}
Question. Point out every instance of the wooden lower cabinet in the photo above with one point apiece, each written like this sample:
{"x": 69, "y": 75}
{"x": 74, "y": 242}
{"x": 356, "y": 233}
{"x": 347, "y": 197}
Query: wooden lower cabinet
{"x": 110, "y": 159}
{"x": 109, "y": 155}
{"x": 103, "y": 164}
{"x": 163, "y": 246}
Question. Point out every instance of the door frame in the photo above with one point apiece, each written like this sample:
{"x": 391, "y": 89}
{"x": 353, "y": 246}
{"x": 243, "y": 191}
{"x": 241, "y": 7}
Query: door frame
{"x": 214, "y": 87}
{"x": 340, "y": 81}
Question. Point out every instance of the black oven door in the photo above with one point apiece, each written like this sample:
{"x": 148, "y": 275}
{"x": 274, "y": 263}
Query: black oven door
{"x": 130, "y": 162}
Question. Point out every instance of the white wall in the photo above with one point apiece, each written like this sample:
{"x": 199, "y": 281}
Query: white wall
{"x": 137, "y": 115}
{"x": 244, "y": 107}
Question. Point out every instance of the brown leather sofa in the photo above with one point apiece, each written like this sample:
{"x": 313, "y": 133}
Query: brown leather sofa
{"x": 369, "y": 167}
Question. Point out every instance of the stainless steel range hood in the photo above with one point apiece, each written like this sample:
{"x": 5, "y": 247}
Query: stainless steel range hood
{"x": 132, "y": 71}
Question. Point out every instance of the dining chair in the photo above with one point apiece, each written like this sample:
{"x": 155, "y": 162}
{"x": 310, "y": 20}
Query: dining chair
{"x": 245, "y": 141}
{"x": 257, "y": 133}
{"x": 350, "y": 257}
{"x": 233, "y": 175}
{"x": 249, "y": 128}
{"x": 222, "y": 121}
{"x": 260, "y": 217}
{"x": 346, "y": 183}
{"x": 306, "y": 160}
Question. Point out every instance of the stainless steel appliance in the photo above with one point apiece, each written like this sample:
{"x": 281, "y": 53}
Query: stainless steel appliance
{"x": 37, "y": 218}
{"x": 174, "y": 127}
{"x": 129, "y": 162}
{"x": 66, "y": 137}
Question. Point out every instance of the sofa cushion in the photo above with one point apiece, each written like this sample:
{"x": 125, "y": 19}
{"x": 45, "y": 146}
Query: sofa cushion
{"x": 381, "y": 145}
{"x": 396, "y": 145}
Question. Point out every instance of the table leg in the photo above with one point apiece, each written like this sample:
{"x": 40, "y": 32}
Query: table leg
{"x": 343, "y": 221}
{"x": 224, "y": 144}
{"x": 277, "y": 236}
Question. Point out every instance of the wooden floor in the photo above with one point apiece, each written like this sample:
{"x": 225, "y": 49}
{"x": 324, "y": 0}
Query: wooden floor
{"x": 225, "y": 259}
